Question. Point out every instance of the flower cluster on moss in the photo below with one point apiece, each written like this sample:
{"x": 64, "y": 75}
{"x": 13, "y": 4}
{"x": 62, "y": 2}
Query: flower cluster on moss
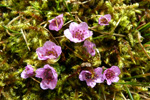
{"x": 92, "y": 78}
{"x": 110, "y": 74}
{"x": 76, "y": 33}
{"x": 48, "y": 74}
{"x": 25, "y": 26}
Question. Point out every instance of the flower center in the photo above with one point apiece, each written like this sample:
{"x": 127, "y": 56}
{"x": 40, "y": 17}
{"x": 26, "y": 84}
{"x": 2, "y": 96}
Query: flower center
{"x": 29, "y": 72}
{"x": 88, "y": 76}
{"x": 78, "y": 34}
{"x": 57, "y": 22}
{"x": 27, "y": 69}
{"x": 110, "y": 74}
{"x": 104, "y": 20}
{"x": 51, "y": 52}
{"x": 91, "y": 50}
{"x": 48, "y": 75}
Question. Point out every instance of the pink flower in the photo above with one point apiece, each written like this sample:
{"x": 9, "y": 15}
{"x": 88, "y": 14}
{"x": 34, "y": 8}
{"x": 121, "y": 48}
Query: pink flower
{"x": 49, "y": 51}
{"x": 49, "y": 77}
{"x": 90, "y": 47}
{"x": 78, "y": 32}
{"x": 28, "y": 72}
{"x": 56, "y": 23}
{"x": 111, "y": 74}
{"x": 104, "y": 20}
{"x": 90, "y": 79}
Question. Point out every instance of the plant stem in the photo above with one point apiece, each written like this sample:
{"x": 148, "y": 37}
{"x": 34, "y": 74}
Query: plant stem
{"x": 130, "y": 95}
{"x": 138, "y": 35}
{"x": 69, "y": 11}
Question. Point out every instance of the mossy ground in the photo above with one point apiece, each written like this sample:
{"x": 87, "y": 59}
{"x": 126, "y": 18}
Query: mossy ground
{"x": 125, "y": 42}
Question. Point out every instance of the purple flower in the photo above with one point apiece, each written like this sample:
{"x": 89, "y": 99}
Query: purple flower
{"x": 49, "y": 51}
{"x": 78, "y": 32}
{"x": 92, "y": 79}
{"x": 28, "y": 72}
{"x": 49, "y": 77}
{"x": 56, "y": 23}
{"x": 90, "y": 47}
{"x": 111, "y": 74}
{"x": 104, "y": 20}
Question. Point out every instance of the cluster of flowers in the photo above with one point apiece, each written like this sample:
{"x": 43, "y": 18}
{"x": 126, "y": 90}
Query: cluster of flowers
{"x": 96, "y": 76}
{"x": 50, "y": 51}
{"x": 48, "y": 75}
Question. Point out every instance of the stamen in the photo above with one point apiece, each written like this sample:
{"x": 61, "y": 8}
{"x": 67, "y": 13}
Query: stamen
{"x": 88, "y": 76}
{"x": 51, "y": 52}
{"x": 56, "y": 22}
{"x": 104, "y": 20}
{"x": 78, "y": 34}
{"x": 110, "y": 74}
{"x": 48, "y": 75}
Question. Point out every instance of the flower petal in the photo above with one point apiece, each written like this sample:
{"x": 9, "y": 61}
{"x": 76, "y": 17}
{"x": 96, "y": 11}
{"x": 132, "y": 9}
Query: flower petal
{"x": 99, "y": 77}
{"x": 56, "y": 23}
{"x": 40, "y": 72}
{"x": 49, "y": 44}
{"x": 104, "y": 74}
{"x": 75, "y": 40}
{"x": 68, "y": 34}
{"x": 41, "y": 52}
{"x": 116, "y": 70}
{"x": 83, "y": 26}
{"x": 108, "y": 82}
{"x": 27, "y": 72}
{"x": 88, "y": 34}
{"x": 47, "y": 66}
{"x": 43, "y": 85}
{"x": 89, "y": 46}
{"x": 115, "y": 79}
{"x": 61, "y": 16}
{"x": 49, "y": 51}
{"x": 82, "y": 75}
{"x": 30, "y": 70}
{"x": 108, "y": 16}
{"x": 52, "y": 84}
{"x": 98, "y": 71}
{"x": 104, "y": 20}
{"x": 91, "y": 83}
{"x": 61, "y": 24}
{"x": 73, "y": 26}
{"x": 77, "y": 32}
{"x": 99, "y": 21}
{"x": 58, "y": 50}
{"x": 24, "y": 74}
{"x": 50, "y": 57}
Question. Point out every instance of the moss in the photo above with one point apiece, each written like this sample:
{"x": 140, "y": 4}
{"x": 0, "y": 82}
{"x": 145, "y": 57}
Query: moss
{"x": 24, "y": 28}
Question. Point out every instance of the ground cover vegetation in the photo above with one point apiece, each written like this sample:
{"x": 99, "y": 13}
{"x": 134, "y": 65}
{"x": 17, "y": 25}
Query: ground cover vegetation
{"x": 74, "y": 49}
